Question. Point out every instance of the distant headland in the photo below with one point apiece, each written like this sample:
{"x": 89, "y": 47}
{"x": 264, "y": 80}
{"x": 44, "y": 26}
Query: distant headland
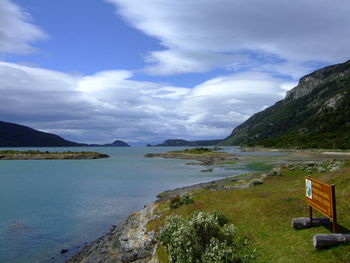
{"x": 16, "y": 135}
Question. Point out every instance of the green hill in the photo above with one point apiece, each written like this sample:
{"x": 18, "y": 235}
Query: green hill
{"x": 315, "y": 114}
{"x": 15, "y": 135}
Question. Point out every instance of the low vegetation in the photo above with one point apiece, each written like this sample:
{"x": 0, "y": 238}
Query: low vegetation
{"x": 263, "y": 213}
{"x": 181, "y": 200}
{"x": 204, "y": 237}
{"x": 259, "y": 166}
{"x": 46, "y": 155}
{"x": 201, "y": 150}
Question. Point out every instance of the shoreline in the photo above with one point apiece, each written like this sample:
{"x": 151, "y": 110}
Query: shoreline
{"x": 129, "y": 241}
{"x": 121, "y": 244}
{"x": 310, "y": 151}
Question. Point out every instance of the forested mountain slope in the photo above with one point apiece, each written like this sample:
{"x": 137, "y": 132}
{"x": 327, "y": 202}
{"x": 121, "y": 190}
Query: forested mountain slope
{"x": 315, "y": 114}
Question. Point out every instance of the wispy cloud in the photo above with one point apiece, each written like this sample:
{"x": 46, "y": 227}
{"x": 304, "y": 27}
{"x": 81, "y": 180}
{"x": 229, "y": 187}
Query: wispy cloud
{"x": 201, "y": 35}
{"x": 17, "y": 33}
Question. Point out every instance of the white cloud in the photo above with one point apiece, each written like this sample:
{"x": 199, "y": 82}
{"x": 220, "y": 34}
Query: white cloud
{"x": 110, "y": 105}
{"x": 224, "y": 102}
{"x": 177, "y": 61}
{"x": 16, "y": 30}
{"x": 202, "y": 35}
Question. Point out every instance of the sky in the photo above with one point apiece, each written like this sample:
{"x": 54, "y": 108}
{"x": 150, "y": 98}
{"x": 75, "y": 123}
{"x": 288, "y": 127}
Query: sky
{"x": 144, "y": 71}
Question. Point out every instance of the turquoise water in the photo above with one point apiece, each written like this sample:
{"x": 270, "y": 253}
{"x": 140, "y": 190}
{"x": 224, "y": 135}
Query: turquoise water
{"x": 47, "y": 205}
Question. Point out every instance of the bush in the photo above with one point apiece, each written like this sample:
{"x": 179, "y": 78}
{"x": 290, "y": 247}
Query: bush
{"x": 256, "y": 181}
{"x": 204, "y": 237}
{"x": 181, "y": 200}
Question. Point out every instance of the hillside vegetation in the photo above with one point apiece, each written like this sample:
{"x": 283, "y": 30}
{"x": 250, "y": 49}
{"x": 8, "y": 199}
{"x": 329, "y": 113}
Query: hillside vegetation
{"x": 315, "y": 114}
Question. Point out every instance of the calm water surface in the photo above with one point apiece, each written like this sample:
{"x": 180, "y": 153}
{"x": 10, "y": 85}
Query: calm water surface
{"x": 47, "y": 205}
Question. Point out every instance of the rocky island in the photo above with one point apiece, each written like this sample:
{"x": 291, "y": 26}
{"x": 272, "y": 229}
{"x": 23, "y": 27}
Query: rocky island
{"x": 38, "y": 155}
{"x": 205, "y": 156}
{"x": 180, "y": 142}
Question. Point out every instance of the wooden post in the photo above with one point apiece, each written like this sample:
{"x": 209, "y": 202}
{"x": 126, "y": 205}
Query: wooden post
{"x": 310, "y": 211}
{"x": 304, "y": 222}
{"x": 334, "y": 210}
{"x": 322, "y": 241}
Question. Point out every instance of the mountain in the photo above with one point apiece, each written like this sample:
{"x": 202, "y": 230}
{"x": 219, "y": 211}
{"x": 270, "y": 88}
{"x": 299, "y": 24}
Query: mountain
{"x": 15, "y": 135}
{"x": 179, "y": 142}
{"x": 117, "y": 143}
{"x": 315, "y": 114}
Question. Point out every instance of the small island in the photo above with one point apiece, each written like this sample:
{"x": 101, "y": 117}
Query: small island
{"x": 206, "y": 156}
{"x": 46, "y": 155}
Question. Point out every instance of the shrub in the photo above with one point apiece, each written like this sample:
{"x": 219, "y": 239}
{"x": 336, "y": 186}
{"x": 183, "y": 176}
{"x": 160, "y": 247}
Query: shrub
{"x": 256, "y": 181}
{"x": 181, "y": 200}
{"x": 204, "y": 237}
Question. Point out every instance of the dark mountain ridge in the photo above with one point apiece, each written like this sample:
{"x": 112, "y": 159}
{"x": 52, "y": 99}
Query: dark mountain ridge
{"x": 315, "y": 114}
{"x": 15, "y": 135}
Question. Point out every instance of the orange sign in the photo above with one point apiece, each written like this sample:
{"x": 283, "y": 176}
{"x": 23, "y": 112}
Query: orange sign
{"x": 320, "y": 196}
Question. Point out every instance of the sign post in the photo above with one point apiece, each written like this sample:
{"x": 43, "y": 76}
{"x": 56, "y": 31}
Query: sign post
{"x": 321, "y": 196}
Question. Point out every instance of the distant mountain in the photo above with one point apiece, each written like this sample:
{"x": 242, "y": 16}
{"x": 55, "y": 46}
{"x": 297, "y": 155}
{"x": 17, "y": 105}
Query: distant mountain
{"x": 117, "y": 143}
{"x": 15, "y": 135}
{"x": 179, "y": 142}
{"x": 315, "y": 114}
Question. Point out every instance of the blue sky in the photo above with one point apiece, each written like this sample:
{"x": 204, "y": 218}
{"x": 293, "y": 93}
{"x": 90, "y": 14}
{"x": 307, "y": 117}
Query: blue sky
{"x": 148, "y": 70}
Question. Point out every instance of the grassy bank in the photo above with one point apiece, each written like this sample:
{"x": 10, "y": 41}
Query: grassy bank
{"x": 263, "y": 213}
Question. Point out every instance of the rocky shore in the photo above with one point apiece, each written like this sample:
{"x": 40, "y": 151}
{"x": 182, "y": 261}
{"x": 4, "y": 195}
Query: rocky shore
{"x": 130, "y": 242}
{"x": 127, "y": 242}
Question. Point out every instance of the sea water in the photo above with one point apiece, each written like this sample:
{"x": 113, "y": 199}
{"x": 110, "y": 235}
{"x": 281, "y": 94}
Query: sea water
{"x": 48, "y": 205}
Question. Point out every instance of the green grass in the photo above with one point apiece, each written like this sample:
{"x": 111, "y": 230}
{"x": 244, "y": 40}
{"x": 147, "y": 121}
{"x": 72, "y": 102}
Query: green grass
{"x": 259, "y": 166}
{"x": 230, "y": 163}
{"x": 264, "y": 213}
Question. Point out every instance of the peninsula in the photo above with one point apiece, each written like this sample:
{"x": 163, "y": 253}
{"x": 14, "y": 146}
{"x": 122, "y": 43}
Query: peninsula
{"x": 205, "y": 156}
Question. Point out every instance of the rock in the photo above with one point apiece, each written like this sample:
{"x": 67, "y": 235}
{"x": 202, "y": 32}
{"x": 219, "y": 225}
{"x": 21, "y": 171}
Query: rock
{"x": 207, "y": 170}
{"x": 309, "y": 169}
{"x": 128, "y": 242}
{"x": 321, "y": 169}
{"x": 63, "y": 251}
{"x": 275, "y": 172}
{"x": 334, "y": 168}
{"x": 256, "y": 182}
{"x": 216, "y": 148}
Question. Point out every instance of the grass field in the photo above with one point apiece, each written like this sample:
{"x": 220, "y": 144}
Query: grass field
{"x": 264, "y": 212}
